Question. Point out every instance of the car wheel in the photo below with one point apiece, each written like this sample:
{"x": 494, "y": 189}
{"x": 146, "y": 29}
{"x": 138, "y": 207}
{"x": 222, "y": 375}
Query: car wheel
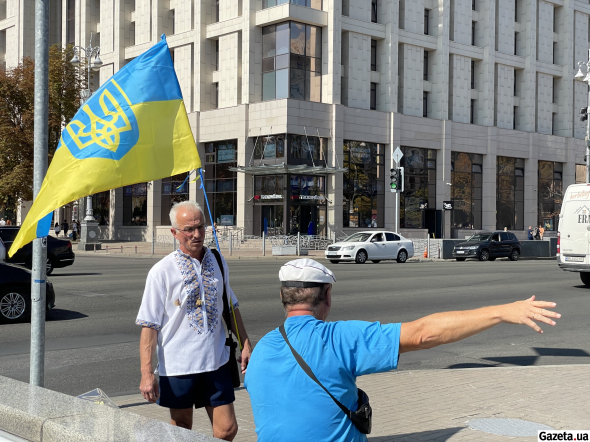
{"x": 361, "y": 257}
{"x": 492, "y": 259}
{"x": 484, "y": 255}
{"x": 376, "y": 261}
{"x": 460, "y": 259}
{"x": 514, "y": 255}
{"x": 585, "y": 277}
{"x": 49, "y": 267}
{"x": 402, "y": 256}
{"x": 15, "y": 304}
{"x": 334, "y": 261}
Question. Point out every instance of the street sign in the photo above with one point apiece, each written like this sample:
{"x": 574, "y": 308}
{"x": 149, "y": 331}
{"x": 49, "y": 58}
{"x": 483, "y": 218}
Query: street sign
{"x": 397, "y": 155}
{"x": 448, "y": 205}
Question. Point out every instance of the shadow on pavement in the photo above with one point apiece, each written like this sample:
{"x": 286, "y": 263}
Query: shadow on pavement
{"x": 524, "y": 361}
{"x": 57, "y": 314}
{"x": 53, "y": 275}
{"x": 584, "y": 287}
{"x": 434, "y": 435}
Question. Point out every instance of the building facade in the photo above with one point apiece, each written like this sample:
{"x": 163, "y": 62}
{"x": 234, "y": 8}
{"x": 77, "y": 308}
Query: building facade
{"x": 297, "y": 108}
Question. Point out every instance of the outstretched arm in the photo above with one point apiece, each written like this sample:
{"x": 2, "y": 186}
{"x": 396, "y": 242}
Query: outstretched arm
{"x": 444, "y": 328}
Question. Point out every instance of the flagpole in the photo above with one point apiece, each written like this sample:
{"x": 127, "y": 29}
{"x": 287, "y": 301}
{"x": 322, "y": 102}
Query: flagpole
{"x": 38, "y": 273}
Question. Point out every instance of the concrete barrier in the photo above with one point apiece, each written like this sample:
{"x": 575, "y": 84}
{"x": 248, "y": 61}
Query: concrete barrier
{"x": 37, "y": 414}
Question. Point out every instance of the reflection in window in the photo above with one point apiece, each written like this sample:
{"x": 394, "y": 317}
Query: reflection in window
{"x": 269, "y": 185}
{"x": 135, "y": 205}
{"x": 510, "y": 193}
{"x": 314, "y": 4}
{"x": 220, "y": 182}
{"x": 272, "y": 146}
{"x": 101, "y": 207}
{"x": 419, "y": 186}
{"x": 363, "y": 184}
{"x": 174, "y": 190}
{"x": 550, "y": 194}
{"x": 466, "y": 184}
{"x": 306, "y": 148}
{"x": 291, "y": 62}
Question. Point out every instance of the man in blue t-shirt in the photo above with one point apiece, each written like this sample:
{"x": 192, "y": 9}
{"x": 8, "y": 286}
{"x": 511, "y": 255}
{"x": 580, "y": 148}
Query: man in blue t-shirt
{"x": 289, "y": 406}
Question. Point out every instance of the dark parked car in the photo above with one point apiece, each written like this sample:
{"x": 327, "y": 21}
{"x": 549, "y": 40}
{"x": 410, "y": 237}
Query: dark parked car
{"x": 59, "y": 251}
{"x": 487, "y": 246}
{"x": 15, "y": 294}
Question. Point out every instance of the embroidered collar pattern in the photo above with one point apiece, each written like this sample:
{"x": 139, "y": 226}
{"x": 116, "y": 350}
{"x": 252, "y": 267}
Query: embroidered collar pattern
{"x": 194, "y": 310}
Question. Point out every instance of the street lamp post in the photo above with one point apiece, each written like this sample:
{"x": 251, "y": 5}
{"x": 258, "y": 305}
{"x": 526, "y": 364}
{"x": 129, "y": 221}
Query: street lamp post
{"x": 89, "y": 227}
{"x": 586, "y": 79}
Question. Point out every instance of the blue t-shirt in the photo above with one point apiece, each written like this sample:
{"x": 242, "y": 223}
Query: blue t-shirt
{"x": 288, "y": 405}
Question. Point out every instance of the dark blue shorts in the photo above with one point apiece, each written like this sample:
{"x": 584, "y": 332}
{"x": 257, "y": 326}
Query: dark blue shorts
{"x": 212, "y": 388}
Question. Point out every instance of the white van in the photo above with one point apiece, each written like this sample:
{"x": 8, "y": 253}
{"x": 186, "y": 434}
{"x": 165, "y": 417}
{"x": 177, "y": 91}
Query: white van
{"x": 573, "y": 236}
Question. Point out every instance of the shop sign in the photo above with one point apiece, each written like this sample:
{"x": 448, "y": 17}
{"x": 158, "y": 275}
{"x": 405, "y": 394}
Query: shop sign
{"x": 226, "y": 220}
{"x": 226, "y": 155}
{"x": 268, "y": 197}
{"x": 312, "y": 197}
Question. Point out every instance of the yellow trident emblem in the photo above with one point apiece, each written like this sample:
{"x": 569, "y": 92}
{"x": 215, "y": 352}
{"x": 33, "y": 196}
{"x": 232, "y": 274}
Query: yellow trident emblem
{"x": 106, "y": 131}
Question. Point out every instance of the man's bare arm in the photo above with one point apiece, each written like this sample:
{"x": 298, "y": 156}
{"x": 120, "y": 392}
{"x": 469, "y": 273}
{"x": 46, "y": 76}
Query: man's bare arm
{"x": 147, "y": 346}
{"x": 246, "y": 346}
{"x": 444, "y": 328}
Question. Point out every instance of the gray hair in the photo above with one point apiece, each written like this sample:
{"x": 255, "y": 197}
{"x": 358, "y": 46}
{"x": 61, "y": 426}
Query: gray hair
{"x": 312, "y": 296}
{"x": 189, "y": 205}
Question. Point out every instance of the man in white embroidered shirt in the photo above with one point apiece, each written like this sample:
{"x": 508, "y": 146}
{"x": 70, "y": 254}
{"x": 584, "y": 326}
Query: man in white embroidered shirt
{"x": 181, "y": 315}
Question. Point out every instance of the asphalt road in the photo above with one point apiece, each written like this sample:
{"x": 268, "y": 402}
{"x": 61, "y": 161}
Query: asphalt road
{"x": 92, "y": 340}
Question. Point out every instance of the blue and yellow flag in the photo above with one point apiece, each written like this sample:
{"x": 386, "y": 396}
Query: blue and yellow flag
{"x": 133, "y": 129}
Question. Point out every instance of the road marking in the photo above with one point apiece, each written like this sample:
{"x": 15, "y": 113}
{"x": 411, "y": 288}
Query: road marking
{"x": 87, "y": 294}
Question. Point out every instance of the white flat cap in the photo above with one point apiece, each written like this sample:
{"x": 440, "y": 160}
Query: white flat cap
{"x": 305, "y": 273}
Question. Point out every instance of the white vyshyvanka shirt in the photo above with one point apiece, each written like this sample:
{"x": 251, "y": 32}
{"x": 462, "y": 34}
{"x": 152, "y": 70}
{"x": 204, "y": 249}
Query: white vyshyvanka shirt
{"x": 190, "y": 339}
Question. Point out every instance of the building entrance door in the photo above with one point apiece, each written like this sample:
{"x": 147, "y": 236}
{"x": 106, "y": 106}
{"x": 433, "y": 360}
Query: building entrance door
{"x": 272, "y": 220}
{"x": 307, "y": 220}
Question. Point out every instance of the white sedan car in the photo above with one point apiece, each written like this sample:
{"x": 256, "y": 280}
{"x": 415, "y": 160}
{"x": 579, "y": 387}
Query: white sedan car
{"x": 374, "y": 246}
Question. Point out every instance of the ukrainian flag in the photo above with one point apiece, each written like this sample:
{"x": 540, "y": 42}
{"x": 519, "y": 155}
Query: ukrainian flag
{"x": 133, "y": 129}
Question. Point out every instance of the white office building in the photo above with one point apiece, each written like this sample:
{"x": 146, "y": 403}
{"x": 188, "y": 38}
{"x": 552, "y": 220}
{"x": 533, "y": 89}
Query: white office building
{"x": 298, "y": 107}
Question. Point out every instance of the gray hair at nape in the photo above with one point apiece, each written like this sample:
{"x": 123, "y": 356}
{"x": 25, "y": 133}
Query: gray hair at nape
{"x": 189, "y": 205}
{"x": 311, "y": 296}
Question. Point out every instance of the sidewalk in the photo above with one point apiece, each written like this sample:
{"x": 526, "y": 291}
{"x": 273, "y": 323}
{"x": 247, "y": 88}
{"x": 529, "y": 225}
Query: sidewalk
{"x": 436, "y": 405}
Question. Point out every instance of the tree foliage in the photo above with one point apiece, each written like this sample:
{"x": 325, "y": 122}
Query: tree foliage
{"x": 17, "y": 98}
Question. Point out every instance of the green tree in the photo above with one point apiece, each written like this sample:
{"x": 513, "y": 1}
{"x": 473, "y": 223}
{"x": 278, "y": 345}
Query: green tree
{"x": 17, "y": 98}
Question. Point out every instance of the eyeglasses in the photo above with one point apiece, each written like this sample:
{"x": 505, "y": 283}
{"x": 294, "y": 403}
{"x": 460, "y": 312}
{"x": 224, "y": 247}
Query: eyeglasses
{"x": 190, "y": 231}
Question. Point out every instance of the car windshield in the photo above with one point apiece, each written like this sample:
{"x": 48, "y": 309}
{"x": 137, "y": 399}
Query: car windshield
{"x": 480, "y": 237}
{"x": 358, "y": 237}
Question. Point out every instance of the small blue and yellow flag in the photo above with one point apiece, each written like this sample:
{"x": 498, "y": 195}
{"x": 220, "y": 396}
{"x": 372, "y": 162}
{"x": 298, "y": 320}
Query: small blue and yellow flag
{"x": 133, "y": 129}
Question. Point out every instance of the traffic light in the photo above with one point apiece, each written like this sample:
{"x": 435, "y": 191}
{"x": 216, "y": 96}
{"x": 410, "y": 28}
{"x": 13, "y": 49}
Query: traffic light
{"x": 397, "y": 179}
{"x": 584, "y": 114}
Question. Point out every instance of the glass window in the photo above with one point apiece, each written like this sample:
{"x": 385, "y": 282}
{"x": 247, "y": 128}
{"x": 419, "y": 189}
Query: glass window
{"x": 466, "y": 190}
{"x": 101, "y": 207}
{"x": 220, "y": 182}
{"x": 363, "y": 184}
{"x": 315, "y": 4}
{"x": 282, "y": 84}
{"x": 297, "y": 38}
{"x": 135, "y": 205}
{"x": 175, "y": 190}
{"x": 294, "y": 67}
{"x": 271, "y": 146}
{"x": 419, "y": 186}
{"x": 268, "y": 41}
{"x": 510, "y": 193}
{"x": 373, "y": 101}
{"x": 550, "y": 196}
{"x": 282, "y": 36}
{"x": 269, "y": 86}
{"x": 374, "y": 55}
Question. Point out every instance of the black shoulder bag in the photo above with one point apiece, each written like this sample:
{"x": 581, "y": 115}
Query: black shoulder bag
{"x": 233, "y": 362}
{"x": 360, "y": 418}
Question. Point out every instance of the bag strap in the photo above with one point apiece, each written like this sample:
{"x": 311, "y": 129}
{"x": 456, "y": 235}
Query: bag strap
{"x": 308, "y": 371}
{"x": 226, "y": 316}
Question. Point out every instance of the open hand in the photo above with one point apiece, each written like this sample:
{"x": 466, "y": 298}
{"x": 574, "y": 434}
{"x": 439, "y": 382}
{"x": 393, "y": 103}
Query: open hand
{"x": 528, "y": 311}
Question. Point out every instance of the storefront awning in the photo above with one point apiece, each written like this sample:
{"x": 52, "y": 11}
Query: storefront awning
{"x": 283, "y": 169}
